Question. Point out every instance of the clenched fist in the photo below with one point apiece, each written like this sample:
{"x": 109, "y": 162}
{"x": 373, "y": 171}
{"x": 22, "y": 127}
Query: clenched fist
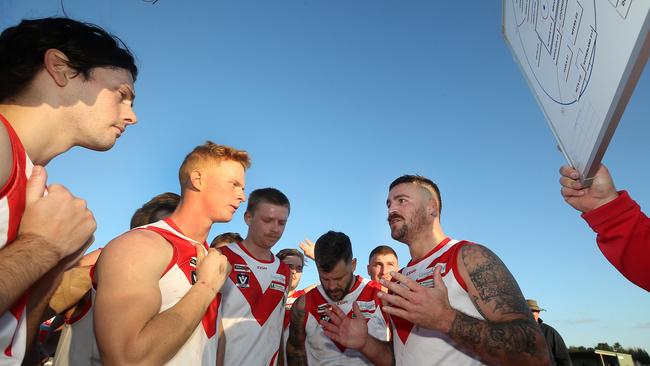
{"x": 213, "y": 269}
{"x": 60, "y": 219}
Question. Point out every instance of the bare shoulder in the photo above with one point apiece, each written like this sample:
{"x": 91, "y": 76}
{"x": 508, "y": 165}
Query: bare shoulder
{"x": 6, "y": 156}
{"x": 491, "y": 286}
{"x": 143, "y": 252}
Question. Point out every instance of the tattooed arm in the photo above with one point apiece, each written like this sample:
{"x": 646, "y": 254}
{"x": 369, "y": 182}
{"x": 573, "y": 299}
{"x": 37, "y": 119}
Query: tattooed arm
{"x": 296, "y": 353}
{"x": 509, "y": 334}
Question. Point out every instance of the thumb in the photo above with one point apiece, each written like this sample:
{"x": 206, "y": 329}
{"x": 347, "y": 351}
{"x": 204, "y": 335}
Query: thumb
{"x": 357, "y": 310}
{"x": 200, "y": 253}
{"x": 437, "y": 278}
{"x": 35, "y": 185}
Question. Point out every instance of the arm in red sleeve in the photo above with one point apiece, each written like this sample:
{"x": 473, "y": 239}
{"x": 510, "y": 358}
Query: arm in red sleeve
{"x": 624, "y": 237}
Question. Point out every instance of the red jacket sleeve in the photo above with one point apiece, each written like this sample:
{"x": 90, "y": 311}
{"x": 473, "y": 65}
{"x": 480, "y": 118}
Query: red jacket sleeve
{"x": 623, "y": 235}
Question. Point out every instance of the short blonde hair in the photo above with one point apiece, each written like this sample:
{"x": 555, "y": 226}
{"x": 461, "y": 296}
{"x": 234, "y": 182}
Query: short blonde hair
{"x": 211, "y": 152}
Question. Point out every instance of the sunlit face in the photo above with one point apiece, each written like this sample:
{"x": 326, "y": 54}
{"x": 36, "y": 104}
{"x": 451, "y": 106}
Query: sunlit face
{"x": 266, "y": 224}
{"x": 223, "y": 188}
{"x": 410, "y": 211}
{"x": 101, "y": 107}
{"x": 295, "y": 266}
{"x": 339, "y": 280}
{"x": 381, "y": 265}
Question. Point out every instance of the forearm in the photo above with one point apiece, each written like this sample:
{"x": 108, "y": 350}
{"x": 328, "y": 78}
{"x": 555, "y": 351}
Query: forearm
{"x": 378, "y": 352}
{"x": 517, "y": 342}
{"x": 37, "y": 306}
{"x": 624, "y": 237}
{"x": 296, "y": 354}
{"x": 164, "y": 334}
{"x": 22, "y": 263}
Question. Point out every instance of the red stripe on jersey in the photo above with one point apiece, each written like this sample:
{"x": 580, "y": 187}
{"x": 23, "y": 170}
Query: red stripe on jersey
{"x": 450, "y": 260}
{"x": 185, "y": 258}
{"x": 261, "y": 303}
{"x": 14, "y": 191}
{"x": 454, "y": 263}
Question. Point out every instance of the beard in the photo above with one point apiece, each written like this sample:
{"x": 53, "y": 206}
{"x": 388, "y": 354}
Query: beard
{"x": 339, "y": 294}
{"x": 409, "y": 229}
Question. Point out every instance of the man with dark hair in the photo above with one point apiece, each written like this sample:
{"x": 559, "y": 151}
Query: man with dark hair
{"x": 168, "y": 272}
{"x": 381, "y": 262}
{"x": 155, "y": 209}
{"x": 62, "y": 84}
{"x": 224, "y": 239}
{"x": 257, "y": 286}
{"x": 356, "y": 297}
{"x": 455, "y": 303}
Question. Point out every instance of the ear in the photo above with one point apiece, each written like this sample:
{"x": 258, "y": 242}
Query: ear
{"x": 354, "y": 265}
{"x": 248, "y": 217}
{"x": 432, "y": 207}
{"x": 57, "y": 65}
{"x": 196, "y": 180}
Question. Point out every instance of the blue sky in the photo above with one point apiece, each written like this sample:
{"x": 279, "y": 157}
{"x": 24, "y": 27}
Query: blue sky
{"x": 333, "y": 100}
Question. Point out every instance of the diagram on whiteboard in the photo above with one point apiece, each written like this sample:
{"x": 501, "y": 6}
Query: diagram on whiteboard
{"x": 582, "y": 59}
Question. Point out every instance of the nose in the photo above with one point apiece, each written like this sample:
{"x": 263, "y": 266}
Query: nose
{"x": 242, "y": 196}
{"x": 128, "y": 116}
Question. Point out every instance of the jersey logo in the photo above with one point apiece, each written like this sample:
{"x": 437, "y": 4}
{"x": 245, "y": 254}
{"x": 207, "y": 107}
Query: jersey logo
{"x": 241, "y": 268}
{"x": 277, "y": 286}
{"x": 242, "y": 280}
{"x": 262, "y": 302}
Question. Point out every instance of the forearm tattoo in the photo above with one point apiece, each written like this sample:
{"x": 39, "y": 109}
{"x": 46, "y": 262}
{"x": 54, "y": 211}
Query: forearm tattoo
{"x": 296, "y": 353}
{"x": 497, "y": 296}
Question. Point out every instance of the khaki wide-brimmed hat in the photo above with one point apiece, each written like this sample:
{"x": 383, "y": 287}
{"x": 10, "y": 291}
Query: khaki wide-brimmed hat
{"x": 532, "y": 304}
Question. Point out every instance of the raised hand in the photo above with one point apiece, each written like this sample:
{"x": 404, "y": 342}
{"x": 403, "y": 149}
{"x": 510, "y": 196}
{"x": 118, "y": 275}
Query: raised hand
{"x": 351, "y": 333}
{"x": 307, "y": 247}
{"x": 583, "y": 199}
{"x": 422, "y": 306}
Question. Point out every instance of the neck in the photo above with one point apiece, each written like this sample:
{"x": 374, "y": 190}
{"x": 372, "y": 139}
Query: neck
{"x": 191, "y": 222}
{"x": 257, "y": 251}
{"x": 425, "y": 241}
{"x": 41, "y": 130}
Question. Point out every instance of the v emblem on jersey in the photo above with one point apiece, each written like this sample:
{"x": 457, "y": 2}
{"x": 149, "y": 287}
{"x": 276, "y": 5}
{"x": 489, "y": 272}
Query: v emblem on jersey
{"x": 262, "y": 303}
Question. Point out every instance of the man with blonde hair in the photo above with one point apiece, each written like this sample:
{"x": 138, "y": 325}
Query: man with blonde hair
{"x": 166, "y": 269}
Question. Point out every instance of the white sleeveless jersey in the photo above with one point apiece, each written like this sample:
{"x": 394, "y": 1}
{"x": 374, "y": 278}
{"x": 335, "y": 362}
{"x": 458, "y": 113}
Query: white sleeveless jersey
{"x": 13, "y": 327}
{"x": 321, "y": 350}
{"x": 252, "y": 307}
{"x": 201, "y": 347}
{"x": 417, "y": 346}
{"x": 76, "y": 330}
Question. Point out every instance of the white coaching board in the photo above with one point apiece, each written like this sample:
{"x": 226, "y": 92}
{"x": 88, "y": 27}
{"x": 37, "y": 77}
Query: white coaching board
{"x": 582, "y": 59}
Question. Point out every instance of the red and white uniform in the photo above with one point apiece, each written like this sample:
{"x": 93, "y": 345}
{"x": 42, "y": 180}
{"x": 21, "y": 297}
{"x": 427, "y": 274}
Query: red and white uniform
{"x": 13, "y": 330}
{"x": 252, "y": 307}
{"x": 78, "y": 333}
{"x": 201, "y": 347}
{"x": 417, "y": 346}
{"x": 321, "y": 350}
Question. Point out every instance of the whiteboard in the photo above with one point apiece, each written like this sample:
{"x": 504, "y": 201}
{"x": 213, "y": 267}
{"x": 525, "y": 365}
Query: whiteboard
{"x": 582, "y": 59}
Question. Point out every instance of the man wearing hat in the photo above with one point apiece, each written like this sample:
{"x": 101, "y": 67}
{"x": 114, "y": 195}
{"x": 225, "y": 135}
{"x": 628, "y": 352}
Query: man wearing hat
{"x": 559, "y": 352}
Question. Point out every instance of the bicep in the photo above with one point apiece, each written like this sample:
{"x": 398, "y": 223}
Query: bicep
{"x": 490, "y": 285}
{"x": 128, "y": 294}
{"x": 6, "y": 156}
